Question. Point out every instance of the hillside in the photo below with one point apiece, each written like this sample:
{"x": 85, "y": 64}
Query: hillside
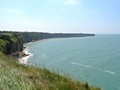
{"x": 14, "y": 76}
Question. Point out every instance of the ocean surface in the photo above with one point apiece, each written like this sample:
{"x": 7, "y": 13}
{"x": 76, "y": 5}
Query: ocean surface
{"x": 95, "y": 60}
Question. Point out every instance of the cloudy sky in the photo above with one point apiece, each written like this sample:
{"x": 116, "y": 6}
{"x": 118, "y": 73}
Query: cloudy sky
{"x": 67, "y": 16}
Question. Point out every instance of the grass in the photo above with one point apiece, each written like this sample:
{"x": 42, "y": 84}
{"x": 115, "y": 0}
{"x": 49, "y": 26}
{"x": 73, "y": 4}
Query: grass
{"x": 15, "y": 76}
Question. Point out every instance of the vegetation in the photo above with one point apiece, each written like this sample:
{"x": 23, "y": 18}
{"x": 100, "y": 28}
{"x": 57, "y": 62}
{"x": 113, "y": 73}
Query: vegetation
{"x": 15, "y": 76}
{"x": 12, "y": 42}
{"x": 9, "y": 43}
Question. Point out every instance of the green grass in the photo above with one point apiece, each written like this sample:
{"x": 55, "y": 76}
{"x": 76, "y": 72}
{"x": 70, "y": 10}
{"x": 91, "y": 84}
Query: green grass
{"x": 15, "y": 76}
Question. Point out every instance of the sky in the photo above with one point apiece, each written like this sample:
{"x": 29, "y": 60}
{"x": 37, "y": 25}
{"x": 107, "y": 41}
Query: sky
{"x": 61, "y": 16}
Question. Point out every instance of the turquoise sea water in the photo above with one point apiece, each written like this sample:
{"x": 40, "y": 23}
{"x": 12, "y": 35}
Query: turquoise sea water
{"x": 92, "y": 59}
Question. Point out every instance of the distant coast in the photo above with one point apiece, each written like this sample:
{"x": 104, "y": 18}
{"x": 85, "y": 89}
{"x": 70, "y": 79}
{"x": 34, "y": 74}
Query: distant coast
{"x": 11, "y": 43}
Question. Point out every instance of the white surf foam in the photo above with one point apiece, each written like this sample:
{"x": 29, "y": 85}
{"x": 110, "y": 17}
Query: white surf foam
{"x": 82, "y": 65}
{"x": 111, "y": 72}
{"x": 87, "y": 66}
{"x": 24, "y": 60}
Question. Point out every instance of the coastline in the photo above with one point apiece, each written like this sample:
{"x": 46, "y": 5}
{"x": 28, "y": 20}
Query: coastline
{"x": 18, "y": 74}
{"x": 24, "y": 55}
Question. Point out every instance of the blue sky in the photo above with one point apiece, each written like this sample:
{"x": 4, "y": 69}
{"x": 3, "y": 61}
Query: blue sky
{"x": 67, "y": 16}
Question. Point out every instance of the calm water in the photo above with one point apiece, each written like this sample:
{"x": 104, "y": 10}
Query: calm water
{"x": 92, "y": 59}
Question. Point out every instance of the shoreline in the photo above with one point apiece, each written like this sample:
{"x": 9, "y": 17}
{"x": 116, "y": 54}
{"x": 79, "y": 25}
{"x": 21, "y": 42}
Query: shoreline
{"x": 24, "y": 55}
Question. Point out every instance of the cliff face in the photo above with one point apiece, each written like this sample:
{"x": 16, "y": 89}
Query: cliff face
{"x": 12, "y": 42}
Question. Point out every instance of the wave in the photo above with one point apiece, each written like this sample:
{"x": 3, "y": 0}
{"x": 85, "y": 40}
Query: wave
{"x": 117, "y": 88}
{"x": 82, "y": 65}
{"x": 111, "y": 72}
{"x": 87, "y": 66}
{"x": 28, "y": 43}
{"x": 24, "y": 59}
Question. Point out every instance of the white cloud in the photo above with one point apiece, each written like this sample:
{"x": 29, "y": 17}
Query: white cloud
{"x": 71, "y": 2}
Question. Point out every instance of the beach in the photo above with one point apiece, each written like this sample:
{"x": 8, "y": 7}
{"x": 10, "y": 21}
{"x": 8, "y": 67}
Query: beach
{"x": 24, "y": 56}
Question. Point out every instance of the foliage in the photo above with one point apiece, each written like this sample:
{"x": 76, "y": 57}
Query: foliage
{"x": 9, "y": 43}
{"x": 15, "y": 76}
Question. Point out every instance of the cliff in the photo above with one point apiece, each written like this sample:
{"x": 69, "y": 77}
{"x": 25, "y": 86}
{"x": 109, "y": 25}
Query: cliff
{"x": 12, "y": 42}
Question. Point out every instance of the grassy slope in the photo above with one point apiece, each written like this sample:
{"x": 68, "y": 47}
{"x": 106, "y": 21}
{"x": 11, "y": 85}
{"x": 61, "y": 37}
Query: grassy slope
{"x": 14, "y": 76}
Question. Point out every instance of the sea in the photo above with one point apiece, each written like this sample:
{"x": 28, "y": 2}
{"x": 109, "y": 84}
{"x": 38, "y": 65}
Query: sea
{"x": 95, "y": 60}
